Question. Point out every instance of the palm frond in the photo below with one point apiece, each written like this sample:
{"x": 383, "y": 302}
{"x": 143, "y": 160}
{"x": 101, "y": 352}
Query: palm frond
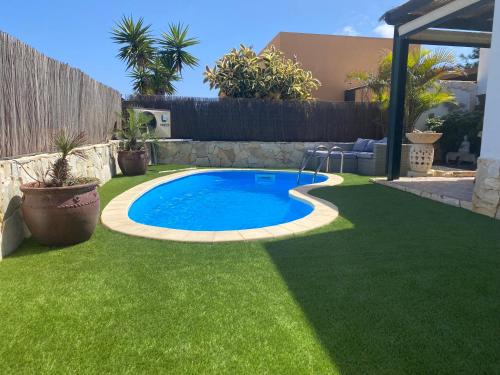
{"x": 66, "y": 142}
{"x": 136, "y": 40}
{"x": 174, "y": 44}
{"x": 134, "y": 131}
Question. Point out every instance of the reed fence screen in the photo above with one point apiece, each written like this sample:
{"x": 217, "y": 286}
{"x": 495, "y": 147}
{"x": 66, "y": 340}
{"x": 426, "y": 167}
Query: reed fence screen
{"x": 227, "y": 119}
{"x": 39, "y": 95}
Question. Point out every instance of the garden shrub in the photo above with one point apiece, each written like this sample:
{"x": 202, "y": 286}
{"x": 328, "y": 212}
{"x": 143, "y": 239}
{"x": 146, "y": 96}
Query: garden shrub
{"x": 270, "y": 75}
{"x": 454, "y": 127}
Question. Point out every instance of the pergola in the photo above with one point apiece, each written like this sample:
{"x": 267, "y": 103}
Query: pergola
{"x": 463, "y": 23}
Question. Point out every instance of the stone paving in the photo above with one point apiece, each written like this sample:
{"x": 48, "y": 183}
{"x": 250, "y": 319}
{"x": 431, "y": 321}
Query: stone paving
{"x": 454, "y": 191}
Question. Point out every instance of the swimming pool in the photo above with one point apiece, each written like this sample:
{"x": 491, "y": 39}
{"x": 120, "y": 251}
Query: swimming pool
{"x": 223, "y": 200}
{"x": 219, "y": 205}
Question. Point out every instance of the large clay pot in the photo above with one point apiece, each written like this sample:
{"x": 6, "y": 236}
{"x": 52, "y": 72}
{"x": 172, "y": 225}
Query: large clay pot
{"x": 133, "y": 163}
{"x": 60, "y": 216}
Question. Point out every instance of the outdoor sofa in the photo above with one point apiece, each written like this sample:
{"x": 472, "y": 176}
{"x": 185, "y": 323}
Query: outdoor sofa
{"x": 369, "y": 161}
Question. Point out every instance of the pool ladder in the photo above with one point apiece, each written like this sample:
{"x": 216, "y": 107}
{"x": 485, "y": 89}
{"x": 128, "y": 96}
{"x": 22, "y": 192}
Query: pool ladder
{"x": 321, "y": 154}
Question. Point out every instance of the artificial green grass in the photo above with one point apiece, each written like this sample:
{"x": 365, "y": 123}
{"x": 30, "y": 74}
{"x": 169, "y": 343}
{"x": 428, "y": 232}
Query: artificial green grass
{"x": 397, "y": 284}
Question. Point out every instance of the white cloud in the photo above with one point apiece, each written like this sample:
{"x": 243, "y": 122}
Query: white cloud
{"x": 384, "y": 30}
{"x": 349, "y": 30}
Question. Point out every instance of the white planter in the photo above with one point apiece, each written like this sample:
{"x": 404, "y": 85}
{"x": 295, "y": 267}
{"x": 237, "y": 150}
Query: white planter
{"x": 422, "y": 151}
{"x": 421, "y": 157}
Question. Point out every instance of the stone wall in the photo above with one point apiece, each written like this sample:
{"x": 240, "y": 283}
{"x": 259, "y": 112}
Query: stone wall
{"x": 486, "y": 198}
{"x": 237, "y": 154}
{"x": 100, "y": 163}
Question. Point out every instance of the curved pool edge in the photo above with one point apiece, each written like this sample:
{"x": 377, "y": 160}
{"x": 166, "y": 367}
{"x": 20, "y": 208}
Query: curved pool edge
{"x": 115, "y": 214}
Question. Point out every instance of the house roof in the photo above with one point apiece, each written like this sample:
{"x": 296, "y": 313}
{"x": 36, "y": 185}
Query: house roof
{"x": 477, "y": 18}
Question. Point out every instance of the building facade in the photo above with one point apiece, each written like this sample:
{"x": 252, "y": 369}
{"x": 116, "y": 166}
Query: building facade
{"x": 332, "y": 57}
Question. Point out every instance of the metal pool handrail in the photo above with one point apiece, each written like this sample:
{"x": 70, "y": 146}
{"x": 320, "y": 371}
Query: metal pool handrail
{"x": 333, "y": 150}
{"x": 320, "y": 153}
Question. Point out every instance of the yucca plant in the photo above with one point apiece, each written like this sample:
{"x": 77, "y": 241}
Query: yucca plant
{"x": 138, "y": 44}
{"x": 157, "y": 80}
{"x": 134, "y": 131}
{"x": 59, "y": 173}
{"x": 174, "y": 44}
{"x": 155, "y": 64}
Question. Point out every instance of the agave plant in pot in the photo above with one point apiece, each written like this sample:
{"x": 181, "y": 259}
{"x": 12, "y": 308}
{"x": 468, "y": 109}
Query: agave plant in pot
{"x": 60, "y": 208}
{"x": 132, "y": 156}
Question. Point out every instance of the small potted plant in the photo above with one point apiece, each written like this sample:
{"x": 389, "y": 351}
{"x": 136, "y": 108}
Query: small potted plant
{"x": 60, "y": 208}
{"x": 132, "y": 156}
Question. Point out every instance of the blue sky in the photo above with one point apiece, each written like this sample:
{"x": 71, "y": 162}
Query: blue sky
{"x": 77, "y": 32}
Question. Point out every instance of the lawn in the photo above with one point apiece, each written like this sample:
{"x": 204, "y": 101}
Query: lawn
{"x": 397, "y": 284}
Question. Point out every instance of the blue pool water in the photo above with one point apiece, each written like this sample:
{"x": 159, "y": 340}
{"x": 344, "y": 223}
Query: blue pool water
{"x": 223, "y": 200}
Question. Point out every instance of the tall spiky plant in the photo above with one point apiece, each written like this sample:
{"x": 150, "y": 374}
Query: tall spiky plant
{"x": 424, "y": 90}
{"x": 174, "y": 44}
{"x": 154, "y": 64}
{"x": 66, "y": 143}
{"x": 157, "y": 80}
{"x": 137, "y": 43}
{"x": 134, "y": 131}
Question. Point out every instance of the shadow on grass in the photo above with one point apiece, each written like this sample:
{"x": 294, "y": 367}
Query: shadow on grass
{"x": 398, "y": 284}
{"x": 32, "y": 247}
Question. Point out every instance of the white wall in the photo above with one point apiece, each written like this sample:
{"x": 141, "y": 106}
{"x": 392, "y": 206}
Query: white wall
{"x": 482, "y": 73}
{"x": 490, "y": 146}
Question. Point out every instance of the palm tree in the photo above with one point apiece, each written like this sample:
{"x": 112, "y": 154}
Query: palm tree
{"x": 423, "y": 87}
{"x": 134, "y": 131}
{"x": 163, "y": 75}
{"x": 141, "y": 81}
{"x": 138, "y": 45}
{"x": 174, "y": 45}
{"x": 153, "y": 70}
{"x": 158, "y": 79}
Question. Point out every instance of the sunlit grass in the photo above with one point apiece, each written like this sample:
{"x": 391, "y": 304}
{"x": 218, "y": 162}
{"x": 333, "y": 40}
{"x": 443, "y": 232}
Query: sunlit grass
{"x": 397, "y": 284}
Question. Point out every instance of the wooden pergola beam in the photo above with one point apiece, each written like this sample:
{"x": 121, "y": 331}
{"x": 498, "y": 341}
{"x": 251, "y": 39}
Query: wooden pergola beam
{"x": 439, "y": 15}
{"x": 452, "y": 38}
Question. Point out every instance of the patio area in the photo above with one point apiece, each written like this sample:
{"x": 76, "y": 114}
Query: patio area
{"x": 455, "y": 191}
{"x": 397, "y": 284}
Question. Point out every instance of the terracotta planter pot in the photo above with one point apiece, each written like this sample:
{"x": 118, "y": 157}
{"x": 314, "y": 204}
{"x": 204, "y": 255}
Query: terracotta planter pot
{"x": 60, "y": 216}
{"x": 133, "y": 163}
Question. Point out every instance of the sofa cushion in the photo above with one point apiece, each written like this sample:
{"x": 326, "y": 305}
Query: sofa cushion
{"x": 360, "y": 144}
{"x": 347, "y": 155}
{"x": 382, "y": 141}
{"x": 364, "y": 155}
{"x": 369, "y": 145}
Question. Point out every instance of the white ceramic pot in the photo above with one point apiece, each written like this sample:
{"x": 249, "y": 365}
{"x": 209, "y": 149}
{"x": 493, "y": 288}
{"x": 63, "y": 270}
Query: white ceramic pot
{"x": 421, "y": 157}
{"x": 422, "y": 151}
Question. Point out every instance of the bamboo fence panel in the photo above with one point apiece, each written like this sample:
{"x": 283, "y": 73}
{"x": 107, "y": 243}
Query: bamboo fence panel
{"x": 226, "y": 119}
{"x": 39, "y": 95}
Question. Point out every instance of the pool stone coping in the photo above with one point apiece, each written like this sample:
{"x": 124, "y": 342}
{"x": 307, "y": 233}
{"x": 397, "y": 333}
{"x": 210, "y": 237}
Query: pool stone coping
{"x": 115, "y": 214}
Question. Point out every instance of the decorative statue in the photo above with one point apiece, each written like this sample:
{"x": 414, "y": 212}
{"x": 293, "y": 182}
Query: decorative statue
{"x": 464, "y": 146}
